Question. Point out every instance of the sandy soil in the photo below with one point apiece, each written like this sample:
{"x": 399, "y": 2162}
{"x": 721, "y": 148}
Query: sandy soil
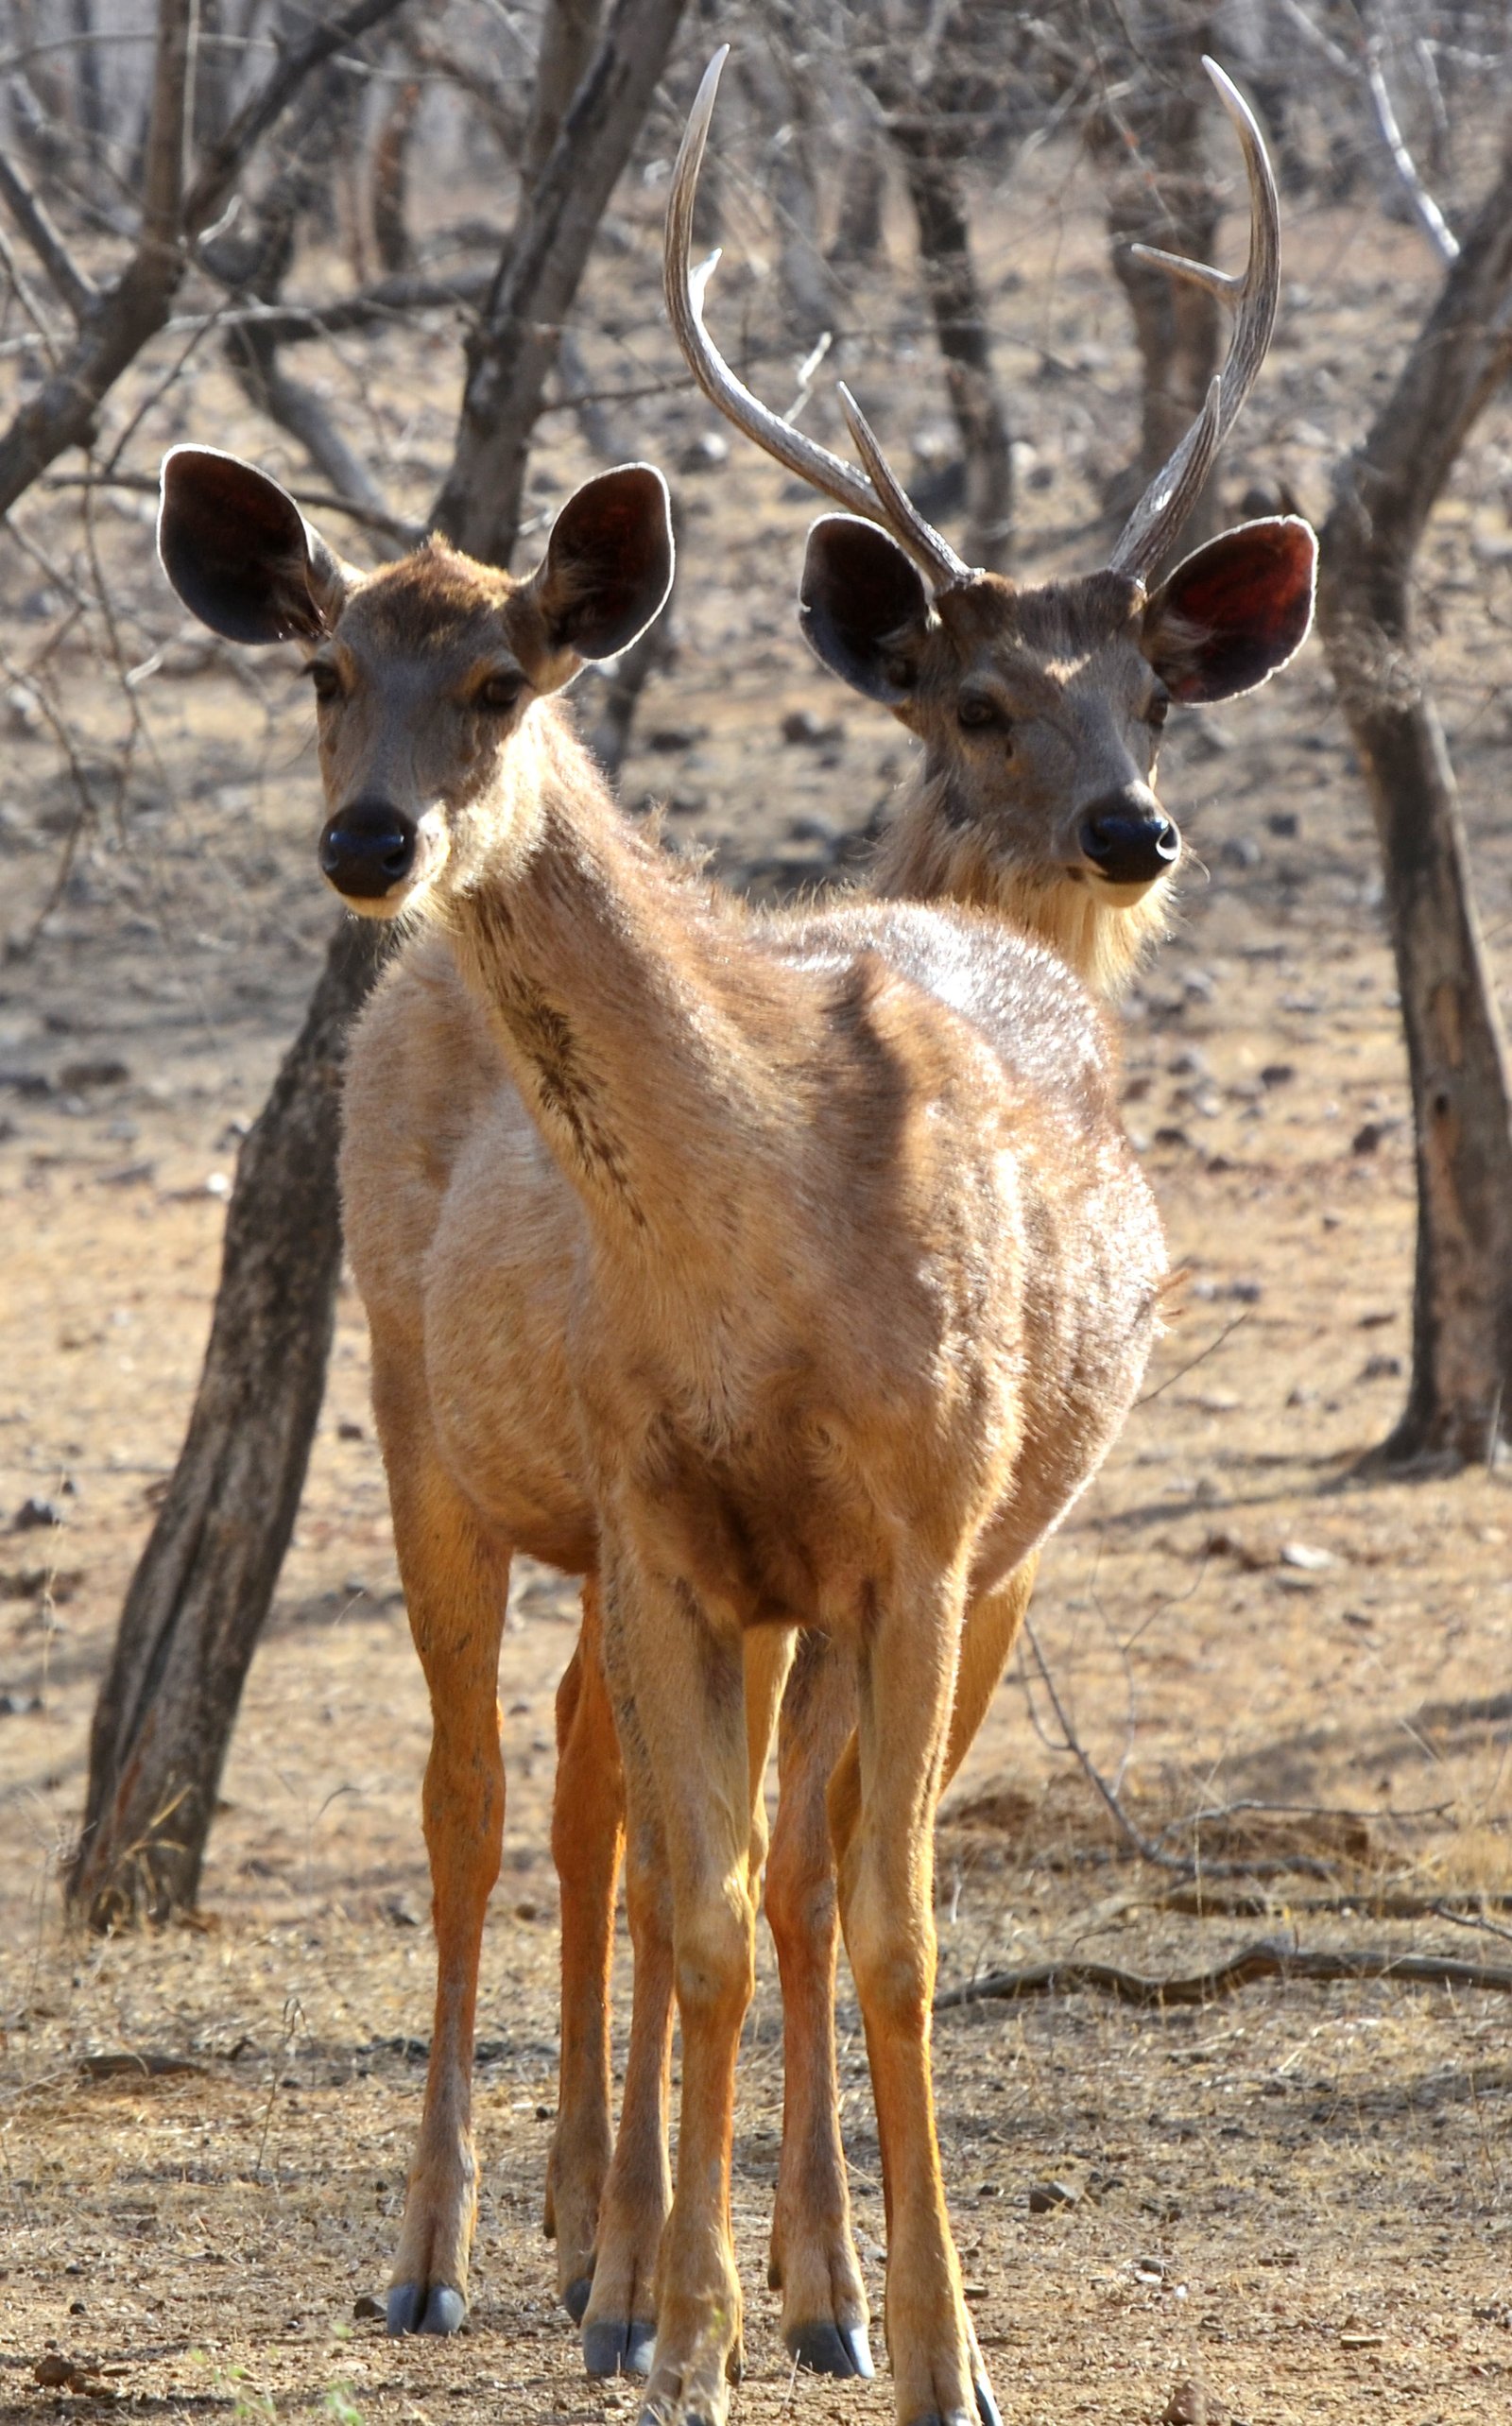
{"x": 1299, "y": 2196}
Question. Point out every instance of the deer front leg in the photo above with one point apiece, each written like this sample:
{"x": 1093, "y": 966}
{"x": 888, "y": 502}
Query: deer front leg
{"x": 905, "y": 1672}
{"x": 620, "y": 2326}
{"x": 684, "y": 1699}
{"x": 456, "y": 1583}
{"x": 813, "y": 2261}
{"x": 587, "y": 1836}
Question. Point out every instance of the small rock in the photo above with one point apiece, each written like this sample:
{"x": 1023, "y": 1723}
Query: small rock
{"x": 1044, "y": 2197}
{"x": 34, "y": 1513}
{"x": 801, "y": 726}
{"x": 350, "y": 1431}
{"x": 1241, "y": 850}
{"x": 1303, "y": 1554}
{"x": 1277, "y": 1074}
{"x": 401, "y": 1912}
{"x": 1380, "y": 1368}
{"x": 1285, "y": 823}
{"x": 370, "y": 2311}
{"x": 705, "y": 453}
{"x": 105, "y": 1071}
{"x": 1192, "y": 2404}
{"x": 668, "y": 740}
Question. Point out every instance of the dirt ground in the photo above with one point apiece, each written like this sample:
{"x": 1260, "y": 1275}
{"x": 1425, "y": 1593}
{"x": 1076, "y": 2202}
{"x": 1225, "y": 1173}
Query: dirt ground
{"x": 1300, "y": 2196}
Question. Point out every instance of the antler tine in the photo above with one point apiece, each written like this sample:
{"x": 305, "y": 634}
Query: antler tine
{"x": 1165, "y": 505}
{"x": 924, "y": 542}
{"x": 684, "y": 290}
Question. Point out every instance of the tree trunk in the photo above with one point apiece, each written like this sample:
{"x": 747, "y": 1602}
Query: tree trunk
{"x": 960, "y": 326}
{"x": 203, "y": 1591}
{"x": 1459, "y": 1401}
{"x": 511, "y": 352}
{"x": 930, "y": 129}
{"x": 1154, "y": 139}
{"x": 200, "y": 1596}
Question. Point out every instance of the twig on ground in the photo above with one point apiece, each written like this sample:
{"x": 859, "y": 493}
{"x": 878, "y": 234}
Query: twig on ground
{"x": 1261, "y": 1962}
{"x": 1148, "y": 1850}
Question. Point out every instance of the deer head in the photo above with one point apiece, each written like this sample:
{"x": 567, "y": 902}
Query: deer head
{"x": 425, "y": 673}
{"x": 1039, "y": 709}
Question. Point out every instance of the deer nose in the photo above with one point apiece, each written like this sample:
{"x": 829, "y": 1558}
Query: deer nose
{"x": 367, "y": 849}
{"x": 1128, "y": 837}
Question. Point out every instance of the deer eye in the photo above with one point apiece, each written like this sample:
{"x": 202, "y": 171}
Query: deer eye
{"x": 975, "y": 714}
{"x": 498, "y": 694}
{"x": 325, "y": 680}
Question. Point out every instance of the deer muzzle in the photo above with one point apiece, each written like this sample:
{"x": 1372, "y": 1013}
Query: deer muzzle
{"x": 368, "y": 850}
{"x": 1126, "y": 838}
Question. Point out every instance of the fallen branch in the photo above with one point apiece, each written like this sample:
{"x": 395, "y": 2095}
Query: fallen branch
{"x": 1261, "y": 1962}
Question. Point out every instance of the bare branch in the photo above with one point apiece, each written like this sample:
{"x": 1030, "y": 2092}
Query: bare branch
{"x": 1425, "y": 210}
{"x": 225, "y": 158}
{"x": 67, "y": 278}
{"x": 1261, "y": 1962}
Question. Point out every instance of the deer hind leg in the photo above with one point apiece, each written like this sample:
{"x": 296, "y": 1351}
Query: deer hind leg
{"x": 619, "y": 2323}
{"x": 906, "y": 1674}
{"x": 456, "y": 1583}
{"x": 684, "y": 1686}
{"x": 587, "y": 1838}
{"x": 814, "y": 2262}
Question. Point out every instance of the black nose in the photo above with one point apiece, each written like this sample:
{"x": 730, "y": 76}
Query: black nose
{"x": 367, "y": 849}
{"x": 1129, "y": 838}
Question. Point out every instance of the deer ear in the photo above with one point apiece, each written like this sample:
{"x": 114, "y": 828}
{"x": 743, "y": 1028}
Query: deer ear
{"x": 862, "y": 607}
{"x": 607, "y": 566}
{"x": 241, "y": 555}
{"x": 1235, "y": 610}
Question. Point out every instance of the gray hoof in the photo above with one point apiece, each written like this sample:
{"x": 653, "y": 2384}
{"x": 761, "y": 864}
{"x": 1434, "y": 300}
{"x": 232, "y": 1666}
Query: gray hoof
{"x": 828, "y": 2349}
{"x": 574, "y": 2298}
{"x": 414, "y": 2308}
{"x": 987, "y": 2408}
{"x": 613, "y": 2347}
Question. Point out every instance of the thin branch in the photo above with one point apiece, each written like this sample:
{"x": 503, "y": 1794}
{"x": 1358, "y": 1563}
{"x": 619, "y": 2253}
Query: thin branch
{"x": 223, "y": 163}
{"x": 1261, "y": 1962}
{"x": 67, "y": 278}
{"x": 1425, "y": 210}
{"x": 1145, "y": 1846}
{"x": 145, "y": 484}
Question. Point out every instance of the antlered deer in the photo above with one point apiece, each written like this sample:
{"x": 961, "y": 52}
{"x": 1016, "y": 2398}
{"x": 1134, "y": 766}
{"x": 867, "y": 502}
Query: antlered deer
{"x": 699, "y": 1246}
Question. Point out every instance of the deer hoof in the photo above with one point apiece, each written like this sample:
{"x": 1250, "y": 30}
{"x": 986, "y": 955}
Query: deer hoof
{"x": 616, "y": 2348}
{"x": 574, "y": 2298}
{"x": 828, "y": 2349}
{"x": 416, "y": 2308}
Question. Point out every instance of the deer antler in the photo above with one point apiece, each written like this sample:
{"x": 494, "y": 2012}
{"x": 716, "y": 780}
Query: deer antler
{"x": 1153, "y": 525}
{"x": 880, "y": 499}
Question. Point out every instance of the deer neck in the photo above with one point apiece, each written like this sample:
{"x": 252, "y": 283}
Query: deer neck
{"x": 612, "y": 991}
{"x": 933, "y": 852}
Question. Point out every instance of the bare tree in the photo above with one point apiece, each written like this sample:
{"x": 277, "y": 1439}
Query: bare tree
{"x": 510, "y": 351}
{"x": 113, "y": 324}
{"x": 203, "y": 1587}
{"x": 1459, "y": 1401}
{"x": 932, "y": 107}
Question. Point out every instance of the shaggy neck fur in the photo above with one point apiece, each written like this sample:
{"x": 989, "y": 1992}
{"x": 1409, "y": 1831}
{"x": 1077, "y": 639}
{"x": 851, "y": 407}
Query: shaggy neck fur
{"x": 928, "y": 854}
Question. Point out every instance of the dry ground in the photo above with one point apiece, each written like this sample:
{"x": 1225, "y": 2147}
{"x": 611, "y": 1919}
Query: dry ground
{"x": 1300, "y": 2196}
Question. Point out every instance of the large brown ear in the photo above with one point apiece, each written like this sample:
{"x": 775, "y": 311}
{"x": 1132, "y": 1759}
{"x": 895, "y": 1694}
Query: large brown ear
{"x": 608, "y": 565}
{"x": 241, "y": 555}
{"x": 862, "y": 607}
{"x": 1234, "y": 611}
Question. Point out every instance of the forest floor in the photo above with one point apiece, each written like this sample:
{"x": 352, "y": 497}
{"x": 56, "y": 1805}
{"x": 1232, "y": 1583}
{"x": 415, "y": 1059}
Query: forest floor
{"x": 1299, "y": 2196}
